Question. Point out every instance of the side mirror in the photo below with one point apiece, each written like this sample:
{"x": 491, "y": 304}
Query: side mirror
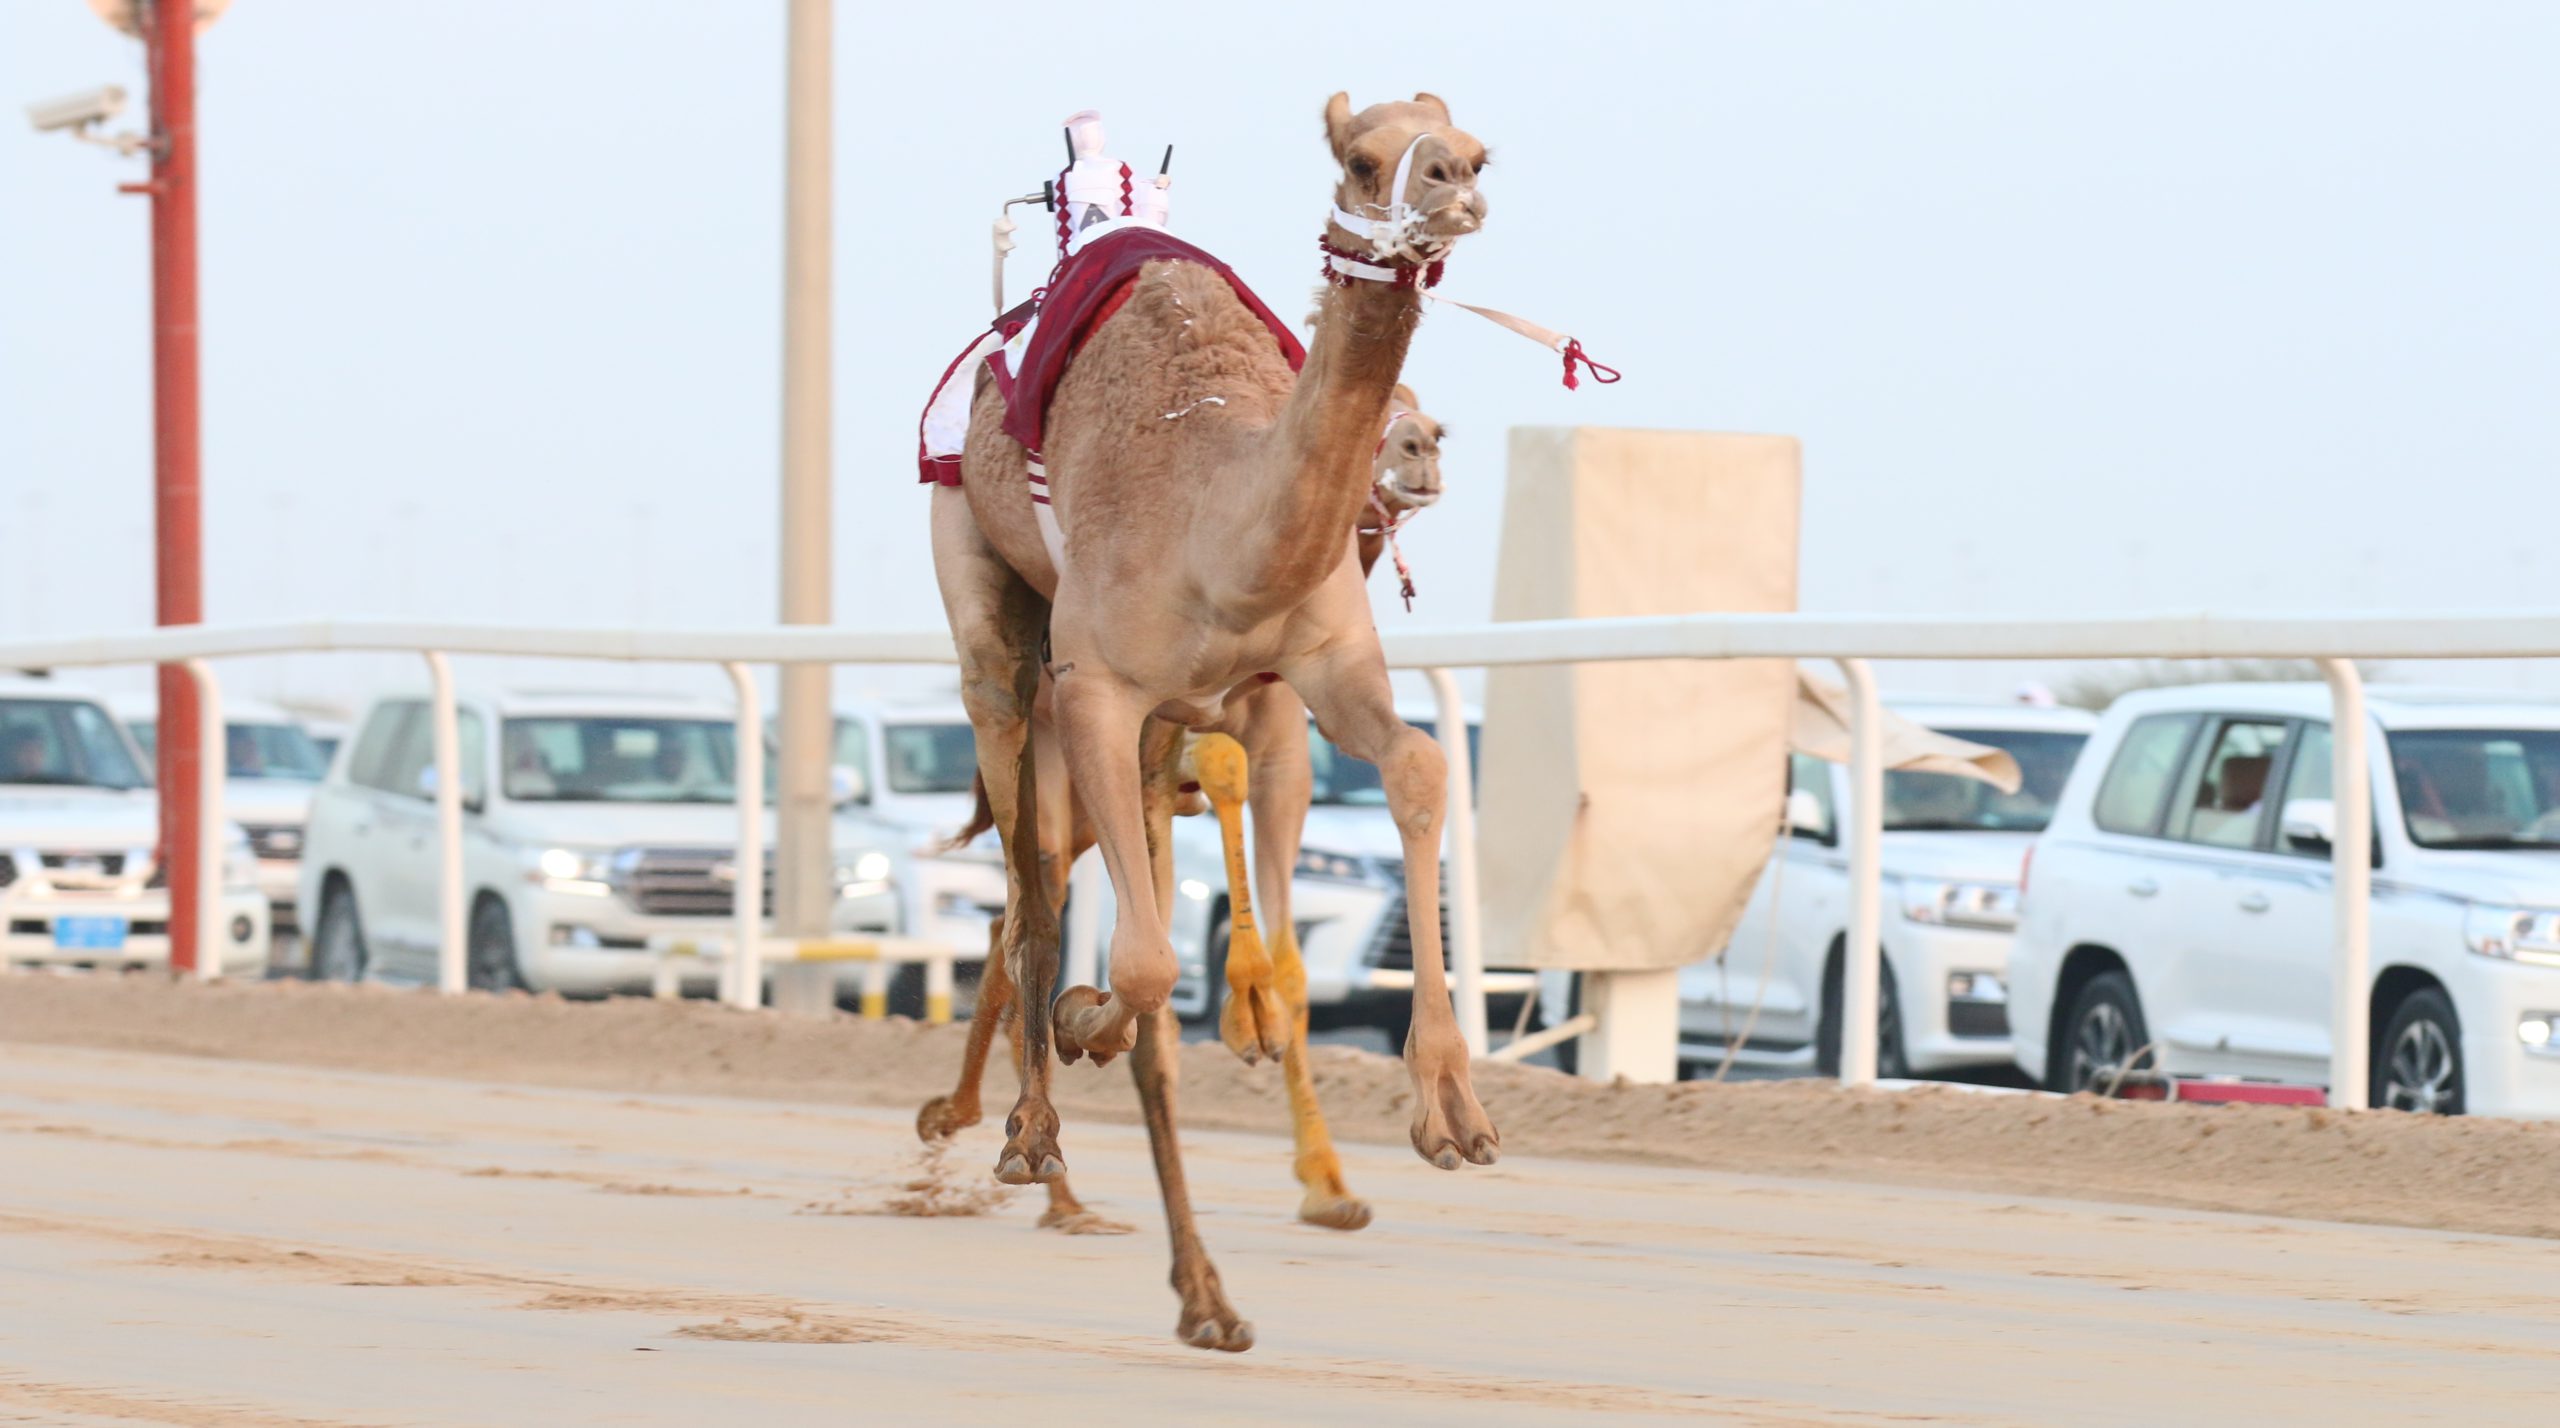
{"x": 847, "y": 784}
{"x": 2310, "y": 824}
{"x": 1804, "y": 815}
{"x": 427, "y": 782}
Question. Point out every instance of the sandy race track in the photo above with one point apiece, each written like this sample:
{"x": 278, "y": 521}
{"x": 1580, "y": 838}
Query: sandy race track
{"x": 526, "y": 1213}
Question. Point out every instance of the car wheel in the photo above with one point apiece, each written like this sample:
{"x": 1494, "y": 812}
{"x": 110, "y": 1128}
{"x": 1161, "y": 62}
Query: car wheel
{"x": 492, "y": 951}
{"x": 337, "y": 945}
{"x": 2418, "y": 1064}
{"x": 1892, "y": 1062}
{"x": 2104, "y": 1038}
{"x": 1214, "y": 973}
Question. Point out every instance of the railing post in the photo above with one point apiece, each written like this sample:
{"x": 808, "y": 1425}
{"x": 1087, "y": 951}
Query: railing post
{"x": 1860, "y": 960}
{"x": 937, "y": 988}
{"x": 1085, "y": 888}
{"x": 213, "y": 765}
{"x": 2351, "y": 875}
{"x": 742, "y": 975}
{"x": 452, "y": 936}
{"x": 1466, "y": 932}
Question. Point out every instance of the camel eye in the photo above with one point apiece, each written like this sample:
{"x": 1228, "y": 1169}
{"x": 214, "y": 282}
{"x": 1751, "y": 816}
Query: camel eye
{"x": 1413, "y": 448}
{"x": 1438, "y": 174}
{"x": 1363, "y": 167}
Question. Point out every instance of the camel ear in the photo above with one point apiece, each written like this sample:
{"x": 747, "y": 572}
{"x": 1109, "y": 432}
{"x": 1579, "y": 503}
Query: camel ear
{"x": 1405, "y": 399}
{"x": 1337, "y": 124}
{"x": 1433, "y": 101}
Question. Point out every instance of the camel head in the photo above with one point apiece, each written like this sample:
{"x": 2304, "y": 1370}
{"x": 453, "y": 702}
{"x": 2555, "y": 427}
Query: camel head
{"x": 1408, "y": 464}
{"x": 1407, "y": 173}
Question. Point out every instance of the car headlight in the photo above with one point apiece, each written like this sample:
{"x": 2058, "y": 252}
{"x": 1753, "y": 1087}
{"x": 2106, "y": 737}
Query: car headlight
{"x": 581, "y": 872}
{"x": 1949, "y": 904}
{"x": 862, "y": 874}
{"x": 239, "y": 865}
{"x": 2513, "y": 934}
{"x": 1332, "y": 867}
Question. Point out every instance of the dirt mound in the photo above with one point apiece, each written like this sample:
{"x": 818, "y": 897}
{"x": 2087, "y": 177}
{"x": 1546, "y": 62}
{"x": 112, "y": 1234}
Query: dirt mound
{"x": 2375, "y": 1167}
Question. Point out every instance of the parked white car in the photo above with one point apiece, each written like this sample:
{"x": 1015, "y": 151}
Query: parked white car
{"x": 591, "y": 823}
{"x": 79, "y": 820}
{"x": 1950, "y": 856}
{"x": 271, "y": 766}
{"x": 2180, "y": 901}
{"x": 1346, "y": 897}
{"x": 912, "y": 766}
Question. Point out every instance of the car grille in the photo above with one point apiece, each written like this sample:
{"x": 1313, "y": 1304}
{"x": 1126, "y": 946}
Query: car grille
{"x": 687, "y": 882}
{"x": 1391, "y": 947}
{"x": 278, "y": 842}
{"x": 110, "y": 865}
{"x": 1970, "y": 1018}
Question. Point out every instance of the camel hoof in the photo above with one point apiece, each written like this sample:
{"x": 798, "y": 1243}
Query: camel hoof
{"x": 1224, "y": 1333}
{"x": 1254, "y": 1025}
{"x": 1449, "y": 1127}
{"x": 1014, "y": 1170}
{"x": 1081, "y": 1023}
{"x": 1334, "y": 1212}
{"x": 940, "y": 1119}
{"x": 1081, "y": 1221}
{"x": 1031, "y": 1138}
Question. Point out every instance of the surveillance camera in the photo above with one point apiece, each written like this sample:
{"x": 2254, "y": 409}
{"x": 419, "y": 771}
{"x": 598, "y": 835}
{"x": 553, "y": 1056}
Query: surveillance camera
{"x": 78, "y": 111}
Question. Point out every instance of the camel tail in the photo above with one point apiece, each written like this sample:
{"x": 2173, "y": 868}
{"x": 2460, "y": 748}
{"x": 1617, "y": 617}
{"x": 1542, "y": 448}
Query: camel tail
{"x": 981, "y": 818}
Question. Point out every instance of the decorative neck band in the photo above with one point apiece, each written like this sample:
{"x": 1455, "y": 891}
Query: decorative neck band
{"x": 1343, "y": 268}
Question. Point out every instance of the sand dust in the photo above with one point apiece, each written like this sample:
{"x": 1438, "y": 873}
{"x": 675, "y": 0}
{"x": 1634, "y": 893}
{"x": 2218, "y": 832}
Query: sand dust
{"x": 2376, "y": 1167}
{"x": 934, "y": 1187}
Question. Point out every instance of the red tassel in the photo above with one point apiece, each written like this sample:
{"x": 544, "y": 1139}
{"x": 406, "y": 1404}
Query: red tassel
{"x": 1573, "y": 353}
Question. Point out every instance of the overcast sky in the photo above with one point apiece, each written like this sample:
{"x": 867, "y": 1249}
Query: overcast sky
{"x": 2114, "y": 307}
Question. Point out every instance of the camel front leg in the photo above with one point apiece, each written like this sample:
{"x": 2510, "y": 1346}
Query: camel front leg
{"x": 1100, "y": 719}
{"x": 1253, "y": 1023}
{"x": 1347, "y": 688}
{"x": 1208, "y": 1321}
{"x": 1275, "y": 736}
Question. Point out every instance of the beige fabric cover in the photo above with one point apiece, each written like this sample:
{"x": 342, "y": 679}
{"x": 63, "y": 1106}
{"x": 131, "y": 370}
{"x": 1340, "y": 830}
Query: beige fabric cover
{"x": 1626, "y": 808}
{"x": 1822, "y": 730}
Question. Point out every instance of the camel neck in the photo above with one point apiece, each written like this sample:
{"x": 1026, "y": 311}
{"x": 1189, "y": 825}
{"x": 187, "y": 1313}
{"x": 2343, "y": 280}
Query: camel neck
{"x": 1311, "y": 478}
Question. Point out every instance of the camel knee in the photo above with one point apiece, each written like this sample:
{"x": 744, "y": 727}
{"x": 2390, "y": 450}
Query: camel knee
{"x": 1218, "y": 762}
{"x": 1415, "y": 775}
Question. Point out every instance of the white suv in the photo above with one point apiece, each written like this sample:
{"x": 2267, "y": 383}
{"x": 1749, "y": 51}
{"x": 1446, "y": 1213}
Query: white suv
{"x": 78, "y": 824}
{"x": 271, "y": 765}
{"x": 591, "y": 822}
{"x": 913, "y": 767}
{"x": 2180, "y": 903}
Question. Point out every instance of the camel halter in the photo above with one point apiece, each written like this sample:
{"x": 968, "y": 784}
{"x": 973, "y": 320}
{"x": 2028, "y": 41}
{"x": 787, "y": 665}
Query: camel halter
{"x": 1405, "y": 259}
{"x": 1389, "y": 520}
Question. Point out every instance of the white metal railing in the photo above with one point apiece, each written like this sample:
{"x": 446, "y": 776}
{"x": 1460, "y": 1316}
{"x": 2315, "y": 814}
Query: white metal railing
{"x": 1851, "y": 640}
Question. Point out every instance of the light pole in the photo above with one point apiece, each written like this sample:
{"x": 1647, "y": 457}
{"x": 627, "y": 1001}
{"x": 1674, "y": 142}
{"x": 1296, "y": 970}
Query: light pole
{"x": 804, "y": 885}
{"x": 167, "y": 29}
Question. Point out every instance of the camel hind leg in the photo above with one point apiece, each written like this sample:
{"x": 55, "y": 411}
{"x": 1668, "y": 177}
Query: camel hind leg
{"x": 997, "y": 621}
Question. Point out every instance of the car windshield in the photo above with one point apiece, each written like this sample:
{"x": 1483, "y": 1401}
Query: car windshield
{"x": 272, "y": 751}
{"x": 1353, "y": 783}
{"x": 63, "y": 742}
{"x": 605, "y": 759}
{"x": 1947, "y": 803}
{"x": 2479, "y": 788}
{"x": 931, "y": 758}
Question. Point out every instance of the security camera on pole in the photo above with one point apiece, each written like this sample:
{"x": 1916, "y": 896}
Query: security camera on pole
{"x": 168, "y": 34}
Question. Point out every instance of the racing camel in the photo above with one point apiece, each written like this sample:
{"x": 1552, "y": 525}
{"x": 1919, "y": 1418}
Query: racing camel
{"x": 1205, "y": 545}
{"x": 1271, "y": 722}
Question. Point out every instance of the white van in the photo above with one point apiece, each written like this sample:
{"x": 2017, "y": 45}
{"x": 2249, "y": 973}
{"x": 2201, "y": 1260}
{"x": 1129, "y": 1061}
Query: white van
{"x": 79, "y": 823}
{"x": 2178, "y": 910}
{"x": 590, "y": 823}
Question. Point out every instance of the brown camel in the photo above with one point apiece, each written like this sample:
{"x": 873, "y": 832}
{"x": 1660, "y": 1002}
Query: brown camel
{"x": 1404, "y": 478}
{"x": 1205, "y": 545}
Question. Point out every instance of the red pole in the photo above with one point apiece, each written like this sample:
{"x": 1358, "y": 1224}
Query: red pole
{"x": 178, "y": 505}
